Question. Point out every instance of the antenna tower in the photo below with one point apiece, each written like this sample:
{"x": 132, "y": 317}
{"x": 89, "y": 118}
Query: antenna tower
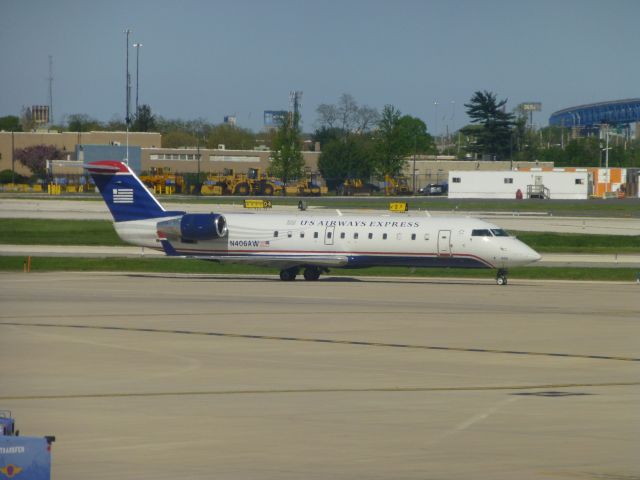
{"x": 50, "y": 89}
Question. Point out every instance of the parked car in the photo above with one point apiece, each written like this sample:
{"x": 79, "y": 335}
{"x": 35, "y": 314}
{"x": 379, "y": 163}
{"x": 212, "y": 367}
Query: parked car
{"x": 434, "y": 189}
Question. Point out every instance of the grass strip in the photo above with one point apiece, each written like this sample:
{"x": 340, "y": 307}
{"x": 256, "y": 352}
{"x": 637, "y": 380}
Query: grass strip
{"x": 36, "y": 231}
{"x": 175, "y": 265}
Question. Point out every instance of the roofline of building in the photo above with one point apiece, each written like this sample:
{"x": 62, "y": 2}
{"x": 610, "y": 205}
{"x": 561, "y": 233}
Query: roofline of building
{"x": 597, "y": 104}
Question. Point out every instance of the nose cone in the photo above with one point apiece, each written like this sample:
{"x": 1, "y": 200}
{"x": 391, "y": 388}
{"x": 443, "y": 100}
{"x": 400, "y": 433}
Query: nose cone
{"x": 526, "y": 255}
{"x": 533, "y": 256}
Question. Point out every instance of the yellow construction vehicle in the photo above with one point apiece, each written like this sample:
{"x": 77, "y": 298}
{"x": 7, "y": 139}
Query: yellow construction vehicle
{"x": 261, "y": 184}
{"x": 225, "y": 183}
{"x": 309, "y": 186}
{"x": 161, "y": 180}
{"x": 396, "y": 185}
{"x": 356, "y": 186}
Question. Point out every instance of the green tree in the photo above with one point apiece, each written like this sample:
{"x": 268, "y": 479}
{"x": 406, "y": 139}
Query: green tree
{"x": 81, "y": 122}
{"x": 344, "y": 158}
{"x": 10, "y": 123}
{"x": 231, "y": 136}
{"x": 495, "y": 137}
{"x": 144, "y": 121}
{"x": 286, "y": 157}
{"x": 324, "y": 135}
{"x": 178, "y": 138}
{"x": 397, "y": 137}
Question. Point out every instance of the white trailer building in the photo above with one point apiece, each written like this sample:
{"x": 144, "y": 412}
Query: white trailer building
{"x": 506, "y": 184}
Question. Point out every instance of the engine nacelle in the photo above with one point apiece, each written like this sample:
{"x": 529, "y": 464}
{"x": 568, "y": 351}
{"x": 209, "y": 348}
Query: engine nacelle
{"x": 192, "y": 227}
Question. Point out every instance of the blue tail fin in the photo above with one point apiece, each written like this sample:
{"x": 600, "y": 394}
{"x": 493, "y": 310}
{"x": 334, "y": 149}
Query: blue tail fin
{"x": 125, "y": 195}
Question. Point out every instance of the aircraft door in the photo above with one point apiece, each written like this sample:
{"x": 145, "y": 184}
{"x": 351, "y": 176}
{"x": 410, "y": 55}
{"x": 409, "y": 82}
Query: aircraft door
{"x": 328, "y": 235}
{"x": 444, "y": 242}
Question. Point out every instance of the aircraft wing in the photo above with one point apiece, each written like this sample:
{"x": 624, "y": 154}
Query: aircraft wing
{"x": 268, "y": 260}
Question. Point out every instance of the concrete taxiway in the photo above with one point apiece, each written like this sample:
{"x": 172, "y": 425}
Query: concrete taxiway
{"x": 170, "y": 376}
{"x": 87, "y": 251}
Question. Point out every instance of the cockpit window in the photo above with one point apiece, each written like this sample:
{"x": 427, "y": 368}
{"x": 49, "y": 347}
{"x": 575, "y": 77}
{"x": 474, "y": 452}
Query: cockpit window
{"x": 499, "y": 232}
{"x": 481, "y": 233}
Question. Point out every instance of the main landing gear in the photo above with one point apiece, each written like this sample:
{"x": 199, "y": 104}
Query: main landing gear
{"x": 310, "y": 273}
{"x": 501, "y": 277}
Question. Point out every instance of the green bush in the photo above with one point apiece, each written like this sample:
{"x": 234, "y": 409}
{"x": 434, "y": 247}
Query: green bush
{"x": 6, "y": 176}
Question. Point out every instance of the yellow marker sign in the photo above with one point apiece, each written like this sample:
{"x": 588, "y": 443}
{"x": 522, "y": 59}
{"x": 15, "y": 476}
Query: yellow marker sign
{"x": 254, "y": 203}
{"x": 399, "y": 207}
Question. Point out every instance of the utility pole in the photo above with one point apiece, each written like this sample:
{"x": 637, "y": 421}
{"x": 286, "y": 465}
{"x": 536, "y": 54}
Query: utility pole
{"x": 137, "y": 47}
{"x": 50, "y": 90}
{"x": 13, "y": 159}
{"x": 128, "y": 93}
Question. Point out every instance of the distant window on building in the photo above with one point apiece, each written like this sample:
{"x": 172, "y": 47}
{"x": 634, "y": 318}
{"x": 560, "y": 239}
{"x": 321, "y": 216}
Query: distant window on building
{"x": 456, "y": 179}
{"x": 508, "y": 180}
{"x": 579, "y": 181}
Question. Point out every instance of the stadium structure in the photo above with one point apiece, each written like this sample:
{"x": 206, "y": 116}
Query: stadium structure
{"x": 590, "y": 118}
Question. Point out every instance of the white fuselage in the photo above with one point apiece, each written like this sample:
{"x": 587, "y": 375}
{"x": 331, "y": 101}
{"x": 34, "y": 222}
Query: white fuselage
{"x": 365, "y": 240}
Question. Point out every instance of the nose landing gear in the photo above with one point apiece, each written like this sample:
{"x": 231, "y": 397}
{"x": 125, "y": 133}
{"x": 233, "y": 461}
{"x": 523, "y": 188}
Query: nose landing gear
{"x": 501, "y": 276}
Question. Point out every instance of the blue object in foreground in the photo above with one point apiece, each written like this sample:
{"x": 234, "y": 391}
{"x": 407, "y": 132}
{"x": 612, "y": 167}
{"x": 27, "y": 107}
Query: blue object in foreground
{"x": 25, "y": 457}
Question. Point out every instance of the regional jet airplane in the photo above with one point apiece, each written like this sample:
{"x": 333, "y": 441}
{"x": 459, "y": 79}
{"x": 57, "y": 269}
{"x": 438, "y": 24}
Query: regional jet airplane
{"x": 311, "y": 243}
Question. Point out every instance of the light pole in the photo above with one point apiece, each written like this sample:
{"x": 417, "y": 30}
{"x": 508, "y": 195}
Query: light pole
{"x": 436, "y": 129}
{"x": 137, "y": 47}
{"x": 128, "y": 93}
{"x": 13, "y": 159}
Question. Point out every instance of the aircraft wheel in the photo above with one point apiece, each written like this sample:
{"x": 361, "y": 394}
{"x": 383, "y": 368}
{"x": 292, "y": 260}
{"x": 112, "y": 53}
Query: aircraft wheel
{"x": 311, "y": 273}
{"x": 501, "y": 277}
{"x": 288, "y": 274}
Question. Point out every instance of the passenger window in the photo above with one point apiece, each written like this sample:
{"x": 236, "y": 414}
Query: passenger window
{"x": 301, "y": 234}
{"x": 289, "y": 234}
{"x": 342, "y": 235}
{"x": 481, "y": 233}
{"x": 413, "y": 236}
{"x": 426, "y": 237}
{"x": 315, "y": 234}
{"x": 275, "y": 234}
{"x": 355, "y": 236}
{"x": 384, "y": 236}
{"x": 370, "y": 236}
{"x": 329, "y": 234}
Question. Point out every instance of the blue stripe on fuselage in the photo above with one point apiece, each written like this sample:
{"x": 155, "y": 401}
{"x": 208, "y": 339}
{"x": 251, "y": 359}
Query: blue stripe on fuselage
{"x": 359, "y": 261}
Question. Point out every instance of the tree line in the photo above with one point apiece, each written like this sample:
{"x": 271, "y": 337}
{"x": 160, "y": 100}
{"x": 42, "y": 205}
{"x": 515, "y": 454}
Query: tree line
{"x": 358, "y": 141}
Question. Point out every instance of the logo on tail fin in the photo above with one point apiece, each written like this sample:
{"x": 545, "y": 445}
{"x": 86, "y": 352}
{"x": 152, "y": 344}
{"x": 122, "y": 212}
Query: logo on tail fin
{"x": 123, "y": 195}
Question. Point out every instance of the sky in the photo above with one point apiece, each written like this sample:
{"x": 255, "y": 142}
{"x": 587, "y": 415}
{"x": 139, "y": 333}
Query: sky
{"x": 207, "y": 59}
